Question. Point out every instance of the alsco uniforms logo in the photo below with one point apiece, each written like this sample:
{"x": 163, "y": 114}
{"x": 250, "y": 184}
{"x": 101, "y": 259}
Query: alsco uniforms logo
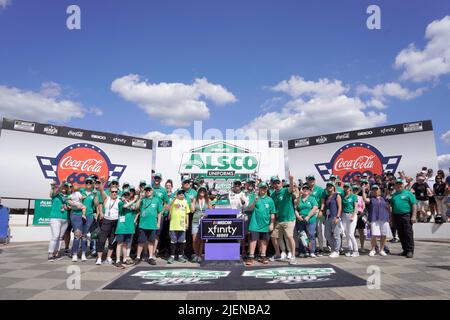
{"x": 78, "y": 161}
{"x": 357, "y": 158}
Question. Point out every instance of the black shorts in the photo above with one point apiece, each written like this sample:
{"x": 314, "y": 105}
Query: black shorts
{"x": 360, "y": 223}
{"x": 254, "y": 235}
{"x": 147, "y": 235}
{"x": 124, "y": 238}
{"x": 432, "y": 200}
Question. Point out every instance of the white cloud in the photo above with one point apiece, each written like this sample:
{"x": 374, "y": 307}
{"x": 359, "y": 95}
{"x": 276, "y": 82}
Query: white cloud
{"x": 38, "y": 106}
{"x": 381, "y": 92}
{"x": 316, "y": 108}
{"x": 174, "y": 104}
{"x": 4, "y": 3}
{"x": 431, "y": 62}
{"x": 157, "y": 135}
{"x": 444, "y": 162}
{"x": 50, "y": 89}
{"x": 446, "y": 137}
{"x": 95, "y": 111}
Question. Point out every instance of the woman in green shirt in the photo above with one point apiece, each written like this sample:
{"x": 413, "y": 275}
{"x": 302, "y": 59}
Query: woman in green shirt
{"x": 349, "y": 219}
{"x": 198, "y": 207}
{"x": 306, "y": 213}
{"x": 59, "y": 219}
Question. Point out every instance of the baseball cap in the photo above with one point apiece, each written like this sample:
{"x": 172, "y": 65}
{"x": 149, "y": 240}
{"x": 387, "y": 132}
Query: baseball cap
{"x": 237, "y": 181}
{"x": 89, "y": 179}
{"x": 250, "y": 180}
{"x": 131, "y": 187}
{"x": 399, "y": 181}
{"x": 186, "y": 179}
{"x": 333, "y": 177}
{"x": 310, "y": 177}
{"x": 115, "y": 181}
{"x": 305, "y": 186}
{"x": 274, "y": 178}
{"x": 148, "y": 186}
{"x": 375, "y": 186}
{"x": 330, "y": 184}
{"x": 157, "y": 175}
{"x": 181, "y": 191}
{"x": 126, "y": 184}
{"x": 356, "y": 187}
{"x": 363, "y": 181}
{"x": 126, "y": 191}
{"x": 347, "y": 185}
{"x": 262, "y": 185}
{"x": 202, "y": 188}
{"x": 142, "y": 182}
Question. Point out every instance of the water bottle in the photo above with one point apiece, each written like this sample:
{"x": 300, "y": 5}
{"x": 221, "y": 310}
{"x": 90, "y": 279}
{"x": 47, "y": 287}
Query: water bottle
{"x": 304, "y": 239}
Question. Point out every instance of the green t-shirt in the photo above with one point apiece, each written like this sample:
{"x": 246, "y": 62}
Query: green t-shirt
{"x": 150, "y": 207}
{"x": 172, "y": 195}
{"x": 340, "y": 191}
{"x": 317, "y": 193}
{"x": 260, "y": 219}
{"x": 305, "y": 206}
{"x": 199, "y": 211}
{"x": 57, "y": 205}
{"x": 161, "y": 193}
{"x": 283, "y": 201}
{"x": 89, "y": 202}
{"x": 348, "y": 203}
{"x": 125, "y": 224}
{"x": 402, "y": 202}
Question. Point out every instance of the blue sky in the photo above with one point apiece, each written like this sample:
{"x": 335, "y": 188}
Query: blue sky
{"x": 261, "y": 63}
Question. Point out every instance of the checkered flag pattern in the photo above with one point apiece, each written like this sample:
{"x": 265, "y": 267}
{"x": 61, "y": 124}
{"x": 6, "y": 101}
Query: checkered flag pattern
{"x": 325, "y": 170}
{"x": 48, "y": 167}
{"x": 391, "y": 163}
{"x": 116, "y": 172}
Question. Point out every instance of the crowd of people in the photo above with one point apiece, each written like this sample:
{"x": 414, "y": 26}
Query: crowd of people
{"x": 284, "y": 220}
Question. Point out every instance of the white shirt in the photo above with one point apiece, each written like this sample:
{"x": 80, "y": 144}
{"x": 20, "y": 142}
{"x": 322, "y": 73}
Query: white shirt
{"x": 431, "y": 181}
{"x": 111, "y": 209}
{"x": 235, "y": 200}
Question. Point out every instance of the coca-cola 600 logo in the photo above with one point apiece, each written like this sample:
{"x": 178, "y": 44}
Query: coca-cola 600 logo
{"x": 78, "y": 161}
{"x": 357, "y": 158}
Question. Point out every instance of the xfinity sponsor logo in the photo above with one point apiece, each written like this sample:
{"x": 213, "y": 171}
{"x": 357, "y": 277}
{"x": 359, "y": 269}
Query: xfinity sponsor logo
{"x": 412, "y": 127}
{"x": 96, "y": 136}
{"x": 51, "y": 130}
{"x": 321, "y": 139}
{"x": 120, "y": 140}
{"x": 139, "y": 143}
{"x": 301, "y": 142}
{"x": 222, "y": 229}
{"x": 176, "y": 277}
{"x": 291, "y": 275}
{"x": 364, "y": 133}
{"x": 78, "y": 134}
{"x": 391, "y": 130}
{"x": 343, "y": 136}
{"x": 25, "y": 126}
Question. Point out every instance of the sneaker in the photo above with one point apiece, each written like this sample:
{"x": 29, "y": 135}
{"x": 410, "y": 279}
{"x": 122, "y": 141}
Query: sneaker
{"x": 403, "y": 254}
{"x": 355, "y": 254}
{"x": 182, "y": 259}
{"x": 334, "y": 254}
{"x": 67, "y": 252}
{"x": 409, "y": 254}
{"x": 265, "y": 260}
{"x": 275, "y": 258}
{"x": 152, "y": 262}
{"x": 301, "y": 255}
{"x": 383, "y": 253}
{"x": 83, "y": 257}
{"x": 129, "y": 262}
{"x": 74, "y": 258}
{"x": 119, "y": 265}
{"x": 372, "y": 253}
{"x": 109, "y": 261}
{"x": 171, "y": 260}
{"x": 283, "y": 256}
{"x": 249, "y": 262}
{"x": 194, "y": 259}
{"x": 312, "y": 255}
{"x": 57, "y": 258}
{"x": 99, "y": 261}
{"x": 51, "y": 259}
{"x": 394, "y": 240}
{"x": 289, "y": 256}
{"x": 348, "y": 254}
{"x": 292, "y": 260}
{"x": 320, "y": 253}
{"x": 137, "y": 261}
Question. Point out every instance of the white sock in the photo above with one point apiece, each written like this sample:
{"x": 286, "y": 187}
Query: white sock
{"x": 150, "y": 257}
{"x": 138, "y": 257}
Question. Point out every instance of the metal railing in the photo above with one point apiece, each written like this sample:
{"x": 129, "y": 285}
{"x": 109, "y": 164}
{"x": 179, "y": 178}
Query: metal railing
{"x": 23, "y": 199}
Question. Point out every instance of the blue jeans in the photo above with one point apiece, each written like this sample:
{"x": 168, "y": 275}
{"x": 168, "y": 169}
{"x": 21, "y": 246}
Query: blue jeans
{"x": 83, "y": 226}
{"x": 310, "y": 229}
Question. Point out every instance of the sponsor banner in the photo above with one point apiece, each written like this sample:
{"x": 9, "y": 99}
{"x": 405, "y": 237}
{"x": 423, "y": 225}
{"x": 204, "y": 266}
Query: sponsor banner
{"x": 73, "y": 133}
{"x": 30, "y": 162}
{"x": 367, "y": 151}
{"x": 217, "y": 229}
{"x": 403, "y": 128}
{"x": 219, "y": 162}
{"x": 42, "y": 209}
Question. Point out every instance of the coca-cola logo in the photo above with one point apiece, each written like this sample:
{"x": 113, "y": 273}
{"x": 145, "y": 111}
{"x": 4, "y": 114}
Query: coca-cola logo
{"x": 357, "y": 158}
{"x": 78, "y": 161}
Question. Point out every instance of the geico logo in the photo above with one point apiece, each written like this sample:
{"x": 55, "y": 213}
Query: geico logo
{"x": 221, "y": 162}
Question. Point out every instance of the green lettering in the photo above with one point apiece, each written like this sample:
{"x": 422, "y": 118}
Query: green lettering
{"x": 195, "y": 160}
{"x": 233, "y": 163}
{"x": 253, "y": 165}
{"x": 223, "y": 165}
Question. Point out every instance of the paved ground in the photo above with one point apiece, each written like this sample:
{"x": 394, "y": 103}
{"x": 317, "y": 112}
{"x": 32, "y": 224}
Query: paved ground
{"x": 26, "y": 274}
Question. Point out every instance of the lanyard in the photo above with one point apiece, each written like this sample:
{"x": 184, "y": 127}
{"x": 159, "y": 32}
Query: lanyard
{"x": 111, "y": 206}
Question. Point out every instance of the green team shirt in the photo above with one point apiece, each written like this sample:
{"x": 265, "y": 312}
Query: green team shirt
{"x": 402, "y": 202}
{"x": 260, "y": 220}
{"x": 89, "y": 202}
{"x": 305, "y": 206}
{"x": 283, "y": 201}
{"x": 178, "y": 212}
{"x": 340, "y": 191}
{"x": 317, "y": 193}
{"x": 161, "y": 193}
{"x": 348, "y": 203}
{"x": 150, "y": 207}
{"x": 57, "y": 204}
{"x": 125, "y": 224}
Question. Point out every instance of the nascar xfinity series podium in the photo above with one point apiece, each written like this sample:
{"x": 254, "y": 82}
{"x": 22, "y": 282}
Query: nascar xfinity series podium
{"x": 222, "y": 231}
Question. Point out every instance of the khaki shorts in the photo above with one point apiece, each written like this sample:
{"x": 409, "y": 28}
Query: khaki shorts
{"x": 283, "y": 227}
{"x": 423, "y": 205}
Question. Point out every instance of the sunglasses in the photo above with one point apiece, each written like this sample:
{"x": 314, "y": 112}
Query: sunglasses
{"x": 89, "y": 182}
{"x": 148, "y": 190}
{"x": 113, "y": 191}
{"x": 276, "y": 182}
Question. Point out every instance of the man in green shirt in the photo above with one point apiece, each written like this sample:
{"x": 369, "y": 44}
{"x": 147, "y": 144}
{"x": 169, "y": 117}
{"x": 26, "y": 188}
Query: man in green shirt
{"x": 307, "y": 207}
{"x": 150, "y": 209}
{"x": 283, "y": 199}
{"x": 404, "y": 211}
{"x": 161, "y": 193}
{"x": 261, "y": 223}
{"x": 318, "y": 193}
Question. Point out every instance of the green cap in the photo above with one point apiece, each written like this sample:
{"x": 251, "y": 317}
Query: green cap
{"x": 375, "y": 186}
{"x": 274, "y": 178}
{"x": 125, "y": 191}
{"x": 333, "y": 177}
{"x": 330, "y": 184}
{"x": 115, "y": 180}
{"x": 131, "y": 187}
{"x": 310, "y": 177}
{"x": 186, "y": 179}
{"x": 356, "y": 187}
{"x": 347, "y": 185}
{"x": 286, "y": 183}
{"x": 364, "y": 181}
{"x": 126, "y": 184}
{"x": 306, "y": 186}
{"x": 148, "y": 186}
{"x": 202, "y": 188}
{"x": 237, "y": 181}
{"x": 250, "y": 180}
{"x": 158, "y": 175}
{"x": 262, "y": 185}
{"x": 89, "y": 179}
{"x": 399, "y": 181}
{"x": 142, "y": 182}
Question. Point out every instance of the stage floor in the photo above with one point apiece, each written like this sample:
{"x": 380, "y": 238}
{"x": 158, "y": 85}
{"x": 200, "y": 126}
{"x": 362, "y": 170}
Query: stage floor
{"x": 26, "y": 274}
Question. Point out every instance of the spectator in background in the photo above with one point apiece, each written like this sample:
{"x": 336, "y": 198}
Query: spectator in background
{"x": 332, "y": 206}
{"x": 447, "y": 180}
{"x": 422, "y": 192}
{"x": 439, "y": 190}
{"x": 430, "y": 179}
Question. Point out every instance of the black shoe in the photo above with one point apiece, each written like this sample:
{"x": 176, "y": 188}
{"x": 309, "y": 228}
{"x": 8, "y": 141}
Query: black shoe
{"x": 137, "y": 261}
{"x": 403, "y": 254}
{"x": 152, "y": 261}
{"x": 51, "y": 259}
{"x": 394, "y": 240}
{"x": 410, "y": 255}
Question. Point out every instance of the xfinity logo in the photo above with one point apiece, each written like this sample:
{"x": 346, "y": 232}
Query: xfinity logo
{"x": 78, "y": 134}
{"x": 343, "y": 136}
{"x": 51, "y": 130}
{"x": 94, "y": 136}
{"x": 321, "y": 139}
{"x": 364, "y": 133}
{"x": 120, "y": 140}
{"x": 216, "y": 229}
{"x": 388, "y": 130}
